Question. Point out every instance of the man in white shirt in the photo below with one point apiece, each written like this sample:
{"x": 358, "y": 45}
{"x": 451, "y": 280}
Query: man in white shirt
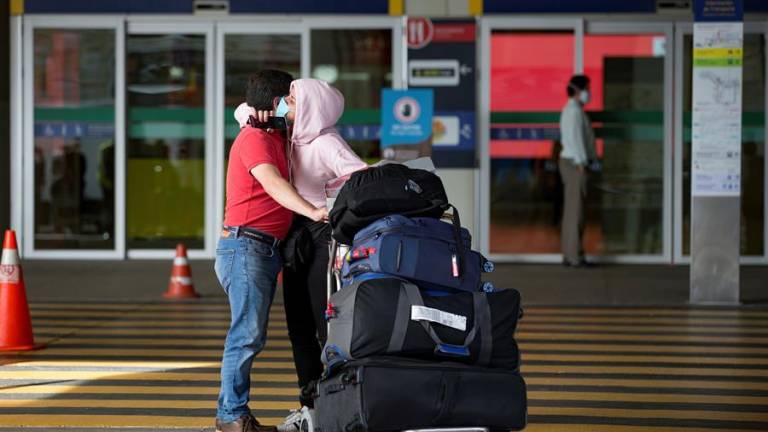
{"x": 578, "y": 142}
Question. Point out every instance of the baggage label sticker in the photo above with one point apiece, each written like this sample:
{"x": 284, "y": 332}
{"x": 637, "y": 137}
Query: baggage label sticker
{"x": 423, "y": 313}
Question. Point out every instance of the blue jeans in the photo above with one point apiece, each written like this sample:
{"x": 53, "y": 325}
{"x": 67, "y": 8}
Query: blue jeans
{"x": 247, "y": 270}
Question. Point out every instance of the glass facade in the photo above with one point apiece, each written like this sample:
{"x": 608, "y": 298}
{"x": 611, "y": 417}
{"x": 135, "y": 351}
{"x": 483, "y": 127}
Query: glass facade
{"x": 625, "y": 198}
{"x": 529, "y": 72}
{"x": 358, "y": 63}
{"x": 248, "y": 53}
{"x": 71, "y": 183}
{"x": 74, "y": 139}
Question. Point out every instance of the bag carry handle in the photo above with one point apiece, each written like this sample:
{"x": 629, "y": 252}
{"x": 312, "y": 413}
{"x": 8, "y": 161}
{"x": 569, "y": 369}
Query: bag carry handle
{"x": 482, "y": 323}
{"x": 456, "y": 221}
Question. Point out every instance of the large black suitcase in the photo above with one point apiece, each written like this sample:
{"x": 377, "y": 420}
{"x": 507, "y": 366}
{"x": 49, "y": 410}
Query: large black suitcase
{"x": 380, "y": 191}
{"x": 395, "y": 394}
{"x": 390, "y": 316}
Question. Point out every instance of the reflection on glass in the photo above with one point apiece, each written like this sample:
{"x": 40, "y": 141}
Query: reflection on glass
{"x": 246, "y": 54}
{"x": 74, "y": 156}
{"x": 625, "y": 199}
{"x": 359, "y": 64}
{"x": 166, "y": 140}
{"x": 753, "y": 145}
{"x": 529, "y": 72}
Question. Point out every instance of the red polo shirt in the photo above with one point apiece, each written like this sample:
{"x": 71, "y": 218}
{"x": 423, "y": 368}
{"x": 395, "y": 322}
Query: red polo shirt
{"x": 248, "y": 204}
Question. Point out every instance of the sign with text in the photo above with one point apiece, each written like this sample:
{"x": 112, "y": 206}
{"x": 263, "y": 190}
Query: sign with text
{"x": 717, "y": 87}
{"x": 442, "y": 56}
{"x": 406, "y": 123}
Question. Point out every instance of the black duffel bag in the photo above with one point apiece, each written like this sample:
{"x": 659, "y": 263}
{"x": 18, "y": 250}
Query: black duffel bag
{"x": 382, "y": 394}
{"x": 381, "y": 191}
{"x": 390, "y": 316}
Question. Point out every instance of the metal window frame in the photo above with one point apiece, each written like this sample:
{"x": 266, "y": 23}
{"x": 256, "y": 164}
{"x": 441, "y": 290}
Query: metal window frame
{"x": 75, "y": 22}
{"x": 187, "y": 25}
{"x": 681, "y": 30}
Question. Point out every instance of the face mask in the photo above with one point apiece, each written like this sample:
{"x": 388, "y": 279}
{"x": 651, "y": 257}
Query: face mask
{"x": 584, "y": 96}
{"x": 282, "y": 108}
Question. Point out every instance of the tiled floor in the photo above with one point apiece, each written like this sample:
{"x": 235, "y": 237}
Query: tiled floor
{"x": 154, "y": 365}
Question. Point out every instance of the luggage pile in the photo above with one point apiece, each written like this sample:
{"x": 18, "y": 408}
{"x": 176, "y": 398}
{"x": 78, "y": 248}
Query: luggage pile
{"x": 415, "y": 339}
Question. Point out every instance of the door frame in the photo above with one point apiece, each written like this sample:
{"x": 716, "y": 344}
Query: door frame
{"x": 223, "y": 29}
{"x": 159, "y": 26}
{"x": 27, "y": 224}
{"x": 604, "y": 27}
{"x": 487, "y": 26}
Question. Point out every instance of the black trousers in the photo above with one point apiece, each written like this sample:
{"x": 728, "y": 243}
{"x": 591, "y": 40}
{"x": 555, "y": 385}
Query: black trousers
{"x": 304, "y": 296}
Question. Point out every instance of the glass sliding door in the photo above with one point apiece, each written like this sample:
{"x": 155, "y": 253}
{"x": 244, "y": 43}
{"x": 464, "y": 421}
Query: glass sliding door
{"x": 629, "y": 72}
{"x": 359, "y": 62}
{"x": 167, "y": 78}
{"x": 241, "y": 52}
{"x": 628, "y": 206}
{"x": 528, "y": 68}
{"x": 72, "y": 140}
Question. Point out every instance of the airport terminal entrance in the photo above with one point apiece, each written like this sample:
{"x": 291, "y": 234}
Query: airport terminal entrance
{"x": 637, "y": 205}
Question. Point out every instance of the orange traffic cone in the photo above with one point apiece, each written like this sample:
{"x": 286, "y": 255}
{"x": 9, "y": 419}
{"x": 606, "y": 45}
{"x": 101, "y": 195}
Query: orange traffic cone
{"x": 15, "y": 323}
{"x": 180, "y": 285}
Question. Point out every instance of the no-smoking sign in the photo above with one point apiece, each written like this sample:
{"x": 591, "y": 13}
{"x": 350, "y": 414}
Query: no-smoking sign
{"x": 419, "y": 32}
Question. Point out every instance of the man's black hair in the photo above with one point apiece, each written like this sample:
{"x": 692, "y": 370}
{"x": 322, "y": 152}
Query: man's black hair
{"x": 264, "y": 86}
{"x": 577, "y": 84}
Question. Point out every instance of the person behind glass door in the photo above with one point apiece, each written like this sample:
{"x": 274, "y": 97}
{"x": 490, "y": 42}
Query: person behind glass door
{"x": 578, "y": 141}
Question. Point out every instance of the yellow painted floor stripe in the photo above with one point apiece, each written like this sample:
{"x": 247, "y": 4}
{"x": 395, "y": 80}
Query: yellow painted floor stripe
{"x": 146, "y": 390}
{"x": 641, "y": 413}
{"x": 650, "y": 329}
{"x": 662, "y": 338}
{"x": 133, "y": 403}
{"x": 703, "y": 351}
{"x": 118, "y": 353}
{"x": 219, "y": 333}
{"x": 157, "y": 365}
{"x": 199, "y": 342}
{"x": 647, "y": 397}
{"x": 660, "y": 384}
{"x": 95, "y": 421}
{"x": 720, "y": 372}
{"x": 135, "y": 376}
{"x": 723, "y": 361}
{"x": 17, "y": 374}
{"x": 533, "y": 310}
{"x": 682, "y": 321}
{"x": 618, "y": 428}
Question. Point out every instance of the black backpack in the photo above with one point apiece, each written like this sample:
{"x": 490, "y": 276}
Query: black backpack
{"x": 380, "y": 191}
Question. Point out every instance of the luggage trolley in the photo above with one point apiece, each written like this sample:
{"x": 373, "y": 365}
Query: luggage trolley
{"x": 304, "y": 420}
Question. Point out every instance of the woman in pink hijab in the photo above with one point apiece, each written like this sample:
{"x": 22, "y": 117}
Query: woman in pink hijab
{"x": 317, "y": 154}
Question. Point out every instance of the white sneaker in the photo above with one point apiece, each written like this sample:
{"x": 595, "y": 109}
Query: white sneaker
{"x": 292, "y": 422}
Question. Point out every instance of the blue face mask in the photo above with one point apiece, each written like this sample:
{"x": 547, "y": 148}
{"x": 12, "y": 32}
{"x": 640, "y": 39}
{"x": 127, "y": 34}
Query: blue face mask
{"x": 282, "y": 108}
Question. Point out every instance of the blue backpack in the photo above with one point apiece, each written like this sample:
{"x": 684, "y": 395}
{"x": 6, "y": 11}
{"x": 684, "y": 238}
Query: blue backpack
{"x": 433, "y": 254}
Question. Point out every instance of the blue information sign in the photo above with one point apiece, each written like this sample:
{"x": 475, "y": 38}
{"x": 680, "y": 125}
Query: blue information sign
{"x": 718, "y": 10}
{"x": 406, "y": 116}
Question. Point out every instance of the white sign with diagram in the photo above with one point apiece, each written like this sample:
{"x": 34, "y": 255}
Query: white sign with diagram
{"x": 716, "y": 117}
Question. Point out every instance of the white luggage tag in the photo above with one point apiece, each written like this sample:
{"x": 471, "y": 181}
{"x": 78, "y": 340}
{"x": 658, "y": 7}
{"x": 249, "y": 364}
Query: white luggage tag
{"x": 423, "y": 313}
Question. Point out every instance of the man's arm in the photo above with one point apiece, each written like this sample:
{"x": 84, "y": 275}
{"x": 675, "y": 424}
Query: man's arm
{"x": 285, "y": 195}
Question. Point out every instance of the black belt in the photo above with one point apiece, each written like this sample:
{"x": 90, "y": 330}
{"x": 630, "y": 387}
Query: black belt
{"x": 251, "y": 233}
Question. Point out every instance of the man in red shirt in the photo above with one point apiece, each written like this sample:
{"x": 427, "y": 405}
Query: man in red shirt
{"x": 259, "y": 207}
